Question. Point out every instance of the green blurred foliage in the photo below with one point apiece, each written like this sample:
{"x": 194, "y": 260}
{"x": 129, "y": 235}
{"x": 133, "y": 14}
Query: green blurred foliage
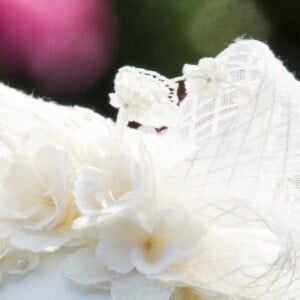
{"x": 218, "y": 23}
{"x": 153, "y": 33}
{"x": 163, "y": 35}
{"x": 285, "y": 36}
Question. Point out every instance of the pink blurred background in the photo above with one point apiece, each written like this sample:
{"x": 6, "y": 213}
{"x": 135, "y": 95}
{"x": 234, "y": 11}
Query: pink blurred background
{"x": 58, "y": 46}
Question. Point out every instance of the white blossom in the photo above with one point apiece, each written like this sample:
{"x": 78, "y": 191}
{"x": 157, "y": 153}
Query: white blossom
{"x": 15, "y": 261}
{"x": 18, "y": 261}
{"x": 207, "y": 76}
{"x": 154, "y": 243}
{"x": 145, "y": 97}
{"x": 109, "y": 175}
{"x": 37, "y": 208}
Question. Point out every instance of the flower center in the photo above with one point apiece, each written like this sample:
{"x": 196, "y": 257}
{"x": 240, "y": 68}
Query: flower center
{"x": 22, "y": 264}
{"x": 149, "y": 245}
{"x": 119, "y": 187}
{"x": 69, "y": 214}
{"x": 47, "y": 201}
{"x": 208, "y": 79}
{"x": 151, "y": 249}
{"x": 137, "y": 103}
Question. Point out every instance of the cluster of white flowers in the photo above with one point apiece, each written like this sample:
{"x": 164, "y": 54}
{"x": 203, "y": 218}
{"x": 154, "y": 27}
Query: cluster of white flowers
{"x": 133, "y": 231}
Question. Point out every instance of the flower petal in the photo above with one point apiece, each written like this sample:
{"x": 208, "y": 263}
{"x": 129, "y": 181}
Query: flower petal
{"x": 136, "y": 287}
{"x": 174, "y": 226}
{"x": 86, "y": 186}
{"x": 119, "y": 236}
{"x": 39, "y": 241}
{"x": 190, "y": 71}
{"x": 6, "y": 229}
{"x": 168, "y": 257}
{"x": 21, "y": 180}
{"x": 5, "y": 247}
{"x": 52, "y": 164}
{"x": 208, "y": 64}
{"x": 114, "y": 100}
{"x": 115, "y": 254}
{"x": 85, "y": 268}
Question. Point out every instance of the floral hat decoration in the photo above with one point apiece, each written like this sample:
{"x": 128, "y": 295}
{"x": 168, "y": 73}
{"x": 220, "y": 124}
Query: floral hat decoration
{"x": 201, "y": 201}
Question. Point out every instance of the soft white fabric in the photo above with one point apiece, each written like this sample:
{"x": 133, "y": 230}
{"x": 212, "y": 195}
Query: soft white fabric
{"x": 232, "y": 160}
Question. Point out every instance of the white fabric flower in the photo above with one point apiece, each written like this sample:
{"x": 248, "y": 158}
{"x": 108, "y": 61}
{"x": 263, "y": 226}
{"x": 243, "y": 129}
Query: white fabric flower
{"x": 145, "y": 97}
{"x": 15, "y": 261}
{"x": 207, "y": 76}
{"x": 154, "y": 243}
{"x": 109, "y": 175}
{"x": 18, "y": 261}
{"x": 37, "y": 208}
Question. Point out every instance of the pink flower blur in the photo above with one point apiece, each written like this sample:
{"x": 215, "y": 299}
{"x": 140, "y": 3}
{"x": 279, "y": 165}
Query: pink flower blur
{"x": 62, "y": 46}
